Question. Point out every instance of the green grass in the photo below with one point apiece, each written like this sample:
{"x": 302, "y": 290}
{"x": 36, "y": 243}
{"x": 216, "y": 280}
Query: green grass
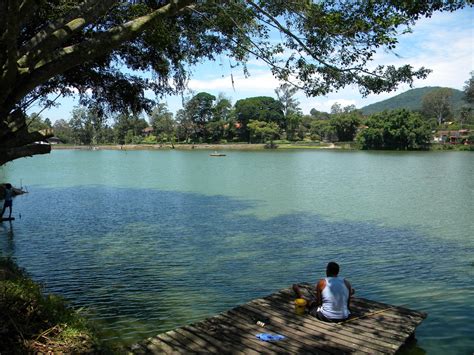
{"x": 447, "y": 146}
{"x": 301, "y": 146}
{"x": 31, "y": 322}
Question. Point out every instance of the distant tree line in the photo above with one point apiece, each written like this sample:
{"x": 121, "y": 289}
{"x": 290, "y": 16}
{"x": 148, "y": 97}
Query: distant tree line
{"x": 206, "y": 118}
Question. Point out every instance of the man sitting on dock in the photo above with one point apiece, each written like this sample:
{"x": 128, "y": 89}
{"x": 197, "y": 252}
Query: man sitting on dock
{"x": 333, "y": 295}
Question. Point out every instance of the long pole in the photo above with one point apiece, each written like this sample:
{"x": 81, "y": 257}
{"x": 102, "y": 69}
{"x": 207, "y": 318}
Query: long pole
{"x": 370, "y": 314}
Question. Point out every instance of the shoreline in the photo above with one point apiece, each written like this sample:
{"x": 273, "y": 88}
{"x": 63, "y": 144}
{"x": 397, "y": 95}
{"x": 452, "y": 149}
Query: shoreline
{"x": 200, "y": 146}
{"x": 36, "y": 322}
{"x": 344, "y": 146}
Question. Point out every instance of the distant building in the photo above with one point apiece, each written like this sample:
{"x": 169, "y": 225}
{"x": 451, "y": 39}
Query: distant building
{"x": 54, "y": 140}
{"x": 148, "y": 131}
{"x": 453, "y": 137}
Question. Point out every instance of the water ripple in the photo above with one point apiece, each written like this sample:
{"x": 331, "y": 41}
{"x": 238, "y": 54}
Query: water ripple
{"x": 143, "y": 262}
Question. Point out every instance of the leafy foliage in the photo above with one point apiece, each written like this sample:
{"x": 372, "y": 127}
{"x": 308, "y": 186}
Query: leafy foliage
{"x": 263, "y": 130}
{"x": 397, "y": 129}
{"x": 31, "y": 322}
{"x": 260, "y": 108}
{"x": 469, "y": 89}
{"x": 63, "y": 47}
{"x": 345, "y": 125}
{"x": 437, "y": 104}
{"x": 162, "y": 121}
{"x": 128, "y": 129}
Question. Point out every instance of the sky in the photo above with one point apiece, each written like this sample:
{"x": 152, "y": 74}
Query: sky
{"x": 443, "y": 43}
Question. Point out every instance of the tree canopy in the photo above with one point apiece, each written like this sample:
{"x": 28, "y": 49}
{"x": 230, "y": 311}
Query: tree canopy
{"x": 437, "y": 104}
{"x": 62, "y": 47}
{"x": 397, "y": 129}
{"x": 469, "y": 89}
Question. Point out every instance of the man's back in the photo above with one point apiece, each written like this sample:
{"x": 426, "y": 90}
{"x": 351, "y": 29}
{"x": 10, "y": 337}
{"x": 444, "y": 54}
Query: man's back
{"x": 8, "y": 194}
{"x": 335, "y": 296}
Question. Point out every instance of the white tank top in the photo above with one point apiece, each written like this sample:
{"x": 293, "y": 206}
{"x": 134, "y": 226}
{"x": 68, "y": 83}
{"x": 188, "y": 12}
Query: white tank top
{"x": 335, "y": 296}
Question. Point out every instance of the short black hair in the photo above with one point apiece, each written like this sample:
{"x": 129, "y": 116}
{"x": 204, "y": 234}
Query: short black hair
{"x": 8, "y": 185}
{"x": 332, "y": 269}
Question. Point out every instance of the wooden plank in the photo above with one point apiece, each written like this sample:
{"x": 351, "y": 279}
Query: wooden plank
{"x": 221, "y": 343}
{"x": 371, "y": 303}
{"x": 298, "y": 333}
{"x": 276, "y": 301}
{"x": 173, "y": 342}
{"x": 360, "y": 310}
{"x": 206, "y": 342}
{"x": 362, "y": 335}
{"x": 246, "y": 325}
{"x": 327, "y": 336}
{"x": 381, "y": 324}
{"x": 399, "y": 311}
{"x": 367, "y": 307}
{"x": 291, "y": 347}
{"x": 294, "y": 341}
{"x": 157, "y": 346}
{"x": 199, "y": 343}
{"x": 377, "y": 328}
{"x": 241, "y": 335}
{"x": 218, "y": 340}
{"x": 187, "y": 341}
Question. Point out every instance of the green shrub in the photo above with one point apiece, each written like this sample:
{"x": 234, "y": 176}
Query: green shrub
{"x": 469, "y": 147}
{"x": 32, "y": 322}
{"x": 151, "y": 139}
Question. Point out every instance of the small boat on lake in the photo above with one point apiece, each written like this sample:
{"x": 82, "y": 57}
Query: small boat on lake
{"x": 215, "y": 154}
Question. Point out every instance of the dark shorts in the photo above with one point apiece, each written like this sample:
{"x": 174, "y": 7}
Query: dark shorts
{"x": 7, "y": 204}
{"x": 315, "y": 312}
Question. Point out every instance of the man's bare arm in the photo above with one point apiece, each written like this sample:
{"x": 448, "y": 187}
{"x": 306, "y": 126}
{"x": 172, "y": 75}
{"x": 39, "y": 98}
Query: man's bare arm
{"x": 319, "y": 289}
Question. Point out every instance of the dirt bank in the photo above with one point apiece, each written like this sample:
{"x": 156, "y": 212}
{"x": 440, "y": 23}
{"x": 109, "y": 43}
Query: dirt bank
{"x": 236, "y": 146}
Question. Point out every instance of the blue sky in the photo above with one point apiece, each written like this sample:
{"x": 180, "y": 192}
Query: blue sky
{"x": 443, "y": 43}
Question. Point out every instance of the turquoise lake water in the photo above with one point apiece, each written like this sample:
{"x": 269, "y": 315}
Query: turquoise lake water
{"x": 151, "y": 240}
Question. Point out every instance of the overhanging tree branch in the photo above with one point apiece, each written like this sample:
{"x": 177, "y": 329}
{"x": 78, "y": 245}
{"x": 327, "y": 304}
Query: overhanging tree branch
{"x": 291, "y": 35}
{"x": 7, "y": 155}
{"x": 9, "y": 43}
{"x": 99, "y": 44}
{"x": 55, "y": 34}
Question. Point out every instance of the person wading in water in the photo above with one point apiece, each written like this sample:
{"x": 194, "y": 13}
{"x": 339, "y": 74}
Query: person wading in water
{"x": 8, "y": 200}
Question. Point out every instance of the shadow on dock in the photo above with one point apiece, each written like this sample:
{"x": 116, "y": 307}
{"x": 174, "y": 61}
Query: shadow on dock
{"x": 374, "y": 328}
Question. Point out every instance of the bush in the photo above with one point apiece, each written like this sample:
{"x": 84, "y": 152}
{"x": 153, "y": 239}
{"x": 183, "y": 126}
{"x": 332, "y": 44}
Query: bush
{"x": 31, "y": 322}
{"x": 397, "y": 129}
{"x": 150, "y": 140}
{"x": 469, "y": 147}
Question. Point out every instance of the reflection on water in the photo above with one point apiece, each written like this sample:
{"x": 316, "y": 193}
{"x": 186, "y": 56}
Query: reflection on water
{"x": 7, "y": 242}
{"x": 144, "y": 261}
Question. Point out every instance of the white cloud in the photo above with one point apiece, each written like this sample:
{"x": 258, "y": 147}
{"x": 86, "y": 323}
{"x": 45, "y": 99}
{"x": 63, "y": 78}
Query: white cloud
{"x": 443, "y": 43}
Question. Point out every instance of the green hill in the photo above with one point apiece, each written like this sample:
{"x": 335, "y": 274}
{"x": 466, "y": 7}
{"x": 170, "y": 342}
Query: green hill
{"x": 412, "y": 100}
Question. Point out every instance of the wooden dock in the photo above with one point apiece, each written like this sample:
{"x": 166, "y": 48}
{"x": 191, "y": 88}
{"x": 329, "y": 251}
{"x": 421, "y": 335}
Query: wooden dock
{"x": 374, "y": 328}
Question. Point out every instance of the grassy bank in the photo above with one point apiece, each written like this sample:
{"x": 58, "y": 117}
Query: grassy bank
{"x": 203, "y": 146}
{"x": 457, "y": 147}
{"x": 31, "y": 322}
{"x": 245, "y": 146}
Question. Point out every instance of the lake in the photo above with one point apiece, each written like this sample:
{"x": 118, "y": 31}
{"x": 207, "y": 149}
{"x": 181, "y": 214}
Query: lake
{"x": 150, "y": 240}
